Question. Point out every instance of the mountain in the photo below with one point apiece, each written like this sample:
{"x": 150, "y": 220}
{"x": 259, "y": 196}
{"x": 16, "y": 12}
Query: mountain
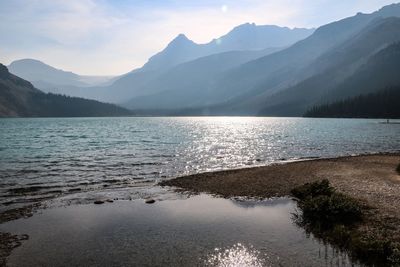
{"x": 18, "y": 98}
{"x": 246, "y": 42}
{"x": 242, "y": 38}
{"x": 189, "y": 82}
{"x": 244, "y": 89}
{"x": 366, "y": 63}
{"x": 242, "y": 44}
{"x": 381, "y": 104}
{"x": 54, "y": 80}
{"x": 382, "y": 70}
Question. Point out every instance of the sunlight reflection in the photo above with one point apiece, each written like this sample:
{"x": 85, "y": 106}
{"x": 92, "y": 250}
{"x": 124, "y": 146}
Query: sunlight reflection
{"x": 224, "y": 8}
{"x": 235, "y": 256}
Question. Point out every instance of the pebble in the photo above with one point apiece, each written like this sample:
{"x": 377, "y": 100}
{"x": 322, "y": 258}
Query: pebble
{"x": 149, "y": 201}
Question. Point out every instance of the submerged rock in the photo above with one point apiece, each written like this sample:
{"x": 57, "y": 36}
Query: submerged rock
{"x": 110, "y": 200}
{"x": 98, "y": 202}
{"x": 149, "y": 201}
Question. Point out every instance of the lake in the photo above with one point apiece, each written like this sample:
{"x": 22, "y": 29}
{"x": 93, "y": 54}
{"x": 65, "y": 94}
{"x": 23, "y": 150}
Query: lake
{"x": 79, "y": 160}
{"x": 48, "y": 156}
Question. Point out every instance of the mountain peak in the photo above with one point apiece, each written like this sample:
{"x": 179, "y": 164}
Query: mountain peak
{"x": 245, "y": 26}
{"x": 181, "y": 38}
{"x": 248, "y": 24}
{"x": 27, "y": 61}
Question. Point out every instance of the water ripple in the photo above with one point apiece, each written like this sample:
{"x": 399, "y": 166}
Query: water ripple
{"x": 98, "y": 151}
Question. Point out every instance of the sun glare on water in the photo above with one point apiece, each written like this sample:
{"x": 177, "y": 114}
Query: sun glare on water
{"x": 236, "y": 256}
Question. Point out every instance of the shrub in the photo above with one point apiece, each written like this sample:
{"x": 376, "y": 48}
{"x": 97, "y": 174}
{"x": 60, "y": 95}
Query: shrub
{"x": 335, "y": 218}
{"x": 313, "y": 189}
{"x": 331, "y": 209}
{"x": 320, "y": 202}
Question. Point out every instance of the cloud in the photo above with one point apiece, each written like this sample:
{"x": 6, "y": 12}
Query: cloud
{"x": 115, "y": 36}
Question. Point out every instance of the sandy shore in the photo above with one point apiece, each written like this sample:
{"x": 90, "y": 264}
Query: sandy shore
{"x": 372, "y": 178}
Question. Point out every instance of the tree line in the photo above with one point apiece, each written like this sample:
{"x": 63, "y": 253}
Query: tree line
{"x": 382, "y": 104}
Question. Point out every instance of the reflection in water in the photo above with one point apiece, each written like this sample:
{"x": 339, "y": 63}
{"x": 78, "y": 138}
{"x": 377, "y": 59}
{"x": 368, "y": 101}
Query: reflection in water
{"x": 236, "y": 256}
{"x": 170, "y": 232}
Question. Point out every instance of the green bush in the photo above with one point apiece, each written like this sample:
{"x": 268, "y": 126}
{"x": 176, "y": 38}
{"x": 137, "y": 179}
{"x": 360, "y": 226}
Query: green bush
{"x": 335, "y": 218}
{"x": 331, "y": 208}
{"x": 313, "y": 189}
{"x": 319, "y": 202}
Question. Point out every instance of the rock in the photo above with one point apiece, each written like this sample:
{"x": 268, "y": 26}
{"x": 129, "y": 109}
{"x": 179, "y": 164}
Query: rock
{"x": 74, "y": 190}
{"x": 149, "y": 201}
{"x": 98, "y": 202}
{"x": 110, "y": 200}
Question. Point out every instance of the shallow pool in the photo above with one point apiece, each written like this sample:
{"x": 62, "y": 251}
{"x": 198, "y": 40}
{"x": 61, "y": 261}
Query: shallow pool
{"x": 195, "y": 231}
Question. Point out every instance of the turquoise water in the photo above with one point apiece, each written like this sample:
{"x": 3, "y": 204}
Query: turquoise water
{"x": 41, "y": 157}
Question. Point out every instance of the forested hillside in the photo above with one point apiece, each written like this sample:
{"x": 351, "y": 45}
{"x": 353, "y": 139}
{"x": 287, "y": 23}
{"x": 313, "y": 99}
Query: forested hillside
{"x": 18, "y": 98}
{"x": 382, "y": 104}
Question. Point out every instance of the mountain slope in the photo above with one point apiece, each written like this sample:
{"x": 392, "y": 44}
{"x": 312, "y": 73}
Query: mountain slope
{"x": 354, "y": 71}
{"x": 287, "y": 67}
{"x": 18, "y": 98}
{"x": 190, "y": 82}
{"x": 382, "y": 70}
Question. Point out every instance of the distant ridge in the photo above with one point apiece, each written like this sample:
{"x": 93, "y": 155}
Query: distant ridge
{"x": 18, "y": 98}
{"x": 245, "y": 37}
{"x": 50, "y": 79}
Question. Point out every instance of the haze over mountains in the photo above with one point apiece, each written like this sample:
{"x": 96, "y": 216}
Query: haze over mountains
{"x": 18, "y": 98}
{"x": 257, "y": 86}
{"x": 50, "y": 79}
{"x": 246, "y": 37}
{"x": 244, "y": 43}
{"x": 255, "y": 70}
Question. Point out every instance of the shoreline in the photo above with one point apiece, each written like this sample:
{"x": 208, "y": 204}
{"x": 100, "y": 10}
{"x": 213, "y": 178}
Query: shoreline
{"x": 371, "y": 180}
{"x": 277, "y": 180}
{"x": 294, "y": 171}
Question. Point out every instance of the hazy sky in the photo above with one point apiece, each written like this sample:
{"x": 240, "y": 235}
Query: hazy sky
{"x": 115, "y": 36}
